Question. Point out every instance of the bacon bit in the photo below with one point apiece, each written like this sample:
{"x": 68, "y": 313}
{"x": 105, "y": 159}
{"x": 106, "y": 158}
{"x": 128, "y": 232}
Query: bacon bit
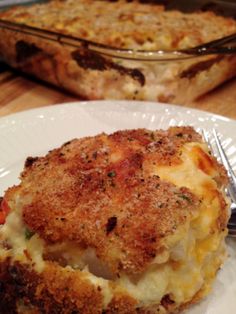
{"x": 4, "y": 210}
{"x": 66, "y": 143}
{"x": 95, "y": 155}
{"x": 166, "y": 301}
{"x": 6, "y": 245}
{"x": 29, "y": 161}
{"x": 152, "y": 136}
{"x": 27, "y": 255}
{"x": 111, "y": 223}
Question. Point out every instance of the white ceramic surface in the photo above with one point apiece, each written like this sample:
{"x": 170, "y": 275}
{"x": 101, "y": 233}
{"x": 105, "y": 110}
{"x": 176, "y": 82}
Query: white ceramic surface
{"x": 34, "y": 132}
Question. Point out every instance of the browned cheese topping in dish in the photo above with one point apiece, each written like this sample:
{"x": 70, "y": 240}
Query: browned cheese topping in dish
{"x": 93, "y": 50}
{"x": 124, "y": 24}
{"x": 131, "y": 222}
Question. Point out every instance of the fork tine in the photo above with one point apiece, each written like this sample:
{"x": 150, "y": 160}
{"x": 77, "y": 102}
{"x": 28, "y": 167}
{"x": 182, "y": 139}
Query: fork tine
{"x": 232, "y": 225}
{"x": 232, "y": 234}
{"x": 231, "y": 188}
{"x": 221, "y": 153}
{"x": 223, "y": 156}
{"x": 207, "y": 140}
{"x": 225, "y": 161}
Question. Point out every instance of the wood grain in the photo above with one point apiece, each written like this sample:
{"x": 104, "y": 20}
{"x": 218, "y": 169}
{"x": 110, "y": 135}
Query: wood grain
{"x": 18, "y": 93}
{"x": 221, "y": 101}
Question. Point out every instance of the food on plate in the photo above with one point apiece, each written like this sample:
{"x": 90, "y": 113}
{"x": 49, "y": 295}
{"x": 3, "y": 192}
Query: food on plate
{"x": 131, "y": 222}
{"x": 97, "y": 73}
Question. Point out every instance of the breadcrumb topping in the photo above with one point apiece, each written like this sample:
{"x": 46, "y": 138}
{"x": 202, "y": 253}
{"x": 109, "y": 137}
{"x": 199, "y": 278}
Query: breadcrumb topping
{"x": 114, "y": 224}
{"x": 125, "y": 24}
{"x": 99, "y": 192}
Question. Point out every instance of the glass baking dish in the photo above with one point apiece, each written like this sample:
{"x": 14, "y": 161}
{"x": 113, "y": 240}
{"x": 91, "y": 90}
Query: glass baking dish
{"x": 94, "y": 70}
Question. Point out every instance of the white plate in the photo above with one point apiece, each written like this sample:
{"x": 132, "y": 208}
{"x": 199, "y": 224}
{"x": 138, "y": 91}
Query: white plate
{"x": 34, "y": 132}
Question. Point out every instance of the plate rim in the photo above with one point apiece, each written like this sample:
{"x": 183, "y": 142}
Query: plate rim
{"x": 34, "y": 112}
{"x": 154, "y": 105}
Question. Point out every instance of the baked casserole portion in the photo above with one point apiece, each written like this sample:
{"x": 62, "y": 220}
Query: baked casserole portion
{"x": 131, "y": 222}
{"x": 86, "y": 71}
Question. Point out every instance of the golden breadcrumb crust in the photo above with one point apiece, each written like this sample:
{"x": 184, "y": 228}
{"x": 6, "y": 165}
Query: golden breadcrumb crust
{"x": 100, "y": 192}
{"x": 57, "y": 290}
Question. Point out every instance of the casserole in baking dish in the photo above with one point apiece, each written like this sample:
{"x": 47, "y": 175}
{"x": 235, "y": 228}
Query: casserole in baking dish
{"x": 117, "y": 50}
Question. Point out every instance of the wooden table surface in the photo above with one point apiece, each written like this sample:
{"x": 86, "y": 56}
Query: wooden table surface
{"x": 18, "y": 93}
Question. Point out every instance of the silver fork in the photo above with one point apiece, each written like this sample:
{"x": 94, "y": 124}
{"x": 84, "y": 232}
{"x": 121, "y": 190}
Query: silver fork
{"x": 231, "y": 188}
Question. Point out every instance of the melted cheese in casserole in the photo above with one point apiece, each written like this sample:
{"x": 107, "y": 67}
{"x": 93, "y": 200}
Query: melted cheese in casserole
{"x": 125, "y": 24}
{"x": 91, "y": 74}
